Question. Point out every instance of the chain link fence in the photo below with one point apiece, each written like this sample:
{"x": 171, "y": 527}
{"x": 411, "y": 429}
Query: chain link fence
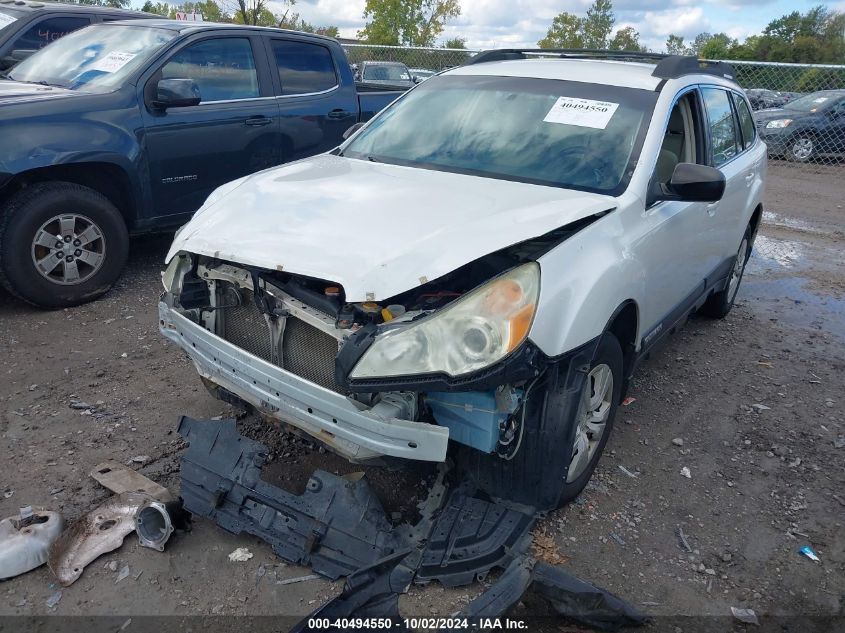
{"x": 799, "y": 109}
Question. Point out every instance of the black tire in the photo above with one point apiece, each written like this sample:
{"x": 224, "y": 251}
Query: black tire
{"x": 802, "y": 148}
{"x": 537, "y": 473}
{"x": 719, "y": 304}
{"x": 22, "y": 218}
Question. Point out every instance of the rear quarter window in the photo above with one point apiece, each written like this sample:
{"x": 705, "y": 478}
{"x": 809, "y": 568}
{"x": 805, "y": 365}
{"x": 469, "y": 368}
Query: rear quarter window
{"x": 746, "y": 121}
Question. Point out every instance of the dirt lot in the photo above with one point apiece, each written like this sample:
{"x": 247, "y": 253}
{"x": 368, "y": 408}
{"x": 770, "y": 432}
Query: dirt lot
{"x": 752, "y": 406}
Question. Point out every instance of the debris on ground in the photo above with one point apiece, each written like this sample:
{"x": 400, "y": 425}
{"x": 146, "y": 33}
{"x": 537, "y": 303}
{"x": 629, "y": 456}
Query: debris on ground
{"x": 627, "y": 472}
{"x": 119, "y": 478}
{"x": 628, "y": 400}
{"x": 339, "y": 528}
{"x": 155, "y": 522}
{"x": 54, "y": 599}
{"x": 292, "y": 581}
{"x": 745, "y": 615}
{"x": 683, "y": 539}
{"x": 25, "y": 540}
{"x": 678, "y": 441}
{"x": 809, "y": 553}
{"x": 686, "y": 472}
{"x": 94, "y": 534}
{"x": 545, "y": 549}
{"x": 240, "y": 555}
{"x": 122, "y": 574}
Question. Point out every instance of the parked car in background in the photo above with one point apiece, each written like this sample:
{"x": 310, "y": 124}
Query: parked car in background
{"x": 491, "y": 284}
{"x": 421, "y": 74}
{"x": 126, "y": 127}
{"x": 385, "y": 73}
{"x": 806, "y": 128}
{"x": 760, "y": 98}
{"x": 26, "y": 27}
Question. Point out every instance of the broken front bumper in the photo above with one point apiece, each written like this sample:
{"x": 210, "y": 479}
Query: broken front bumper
{"x": 344, "y": 425}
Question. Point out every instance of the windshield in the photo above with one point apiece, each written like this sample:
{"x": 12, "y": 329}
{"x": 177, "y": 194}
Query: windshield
{"x": 94, "y": 59}
{"x": 543, "y": 131}
{"x": 813, "y": 102}
{"x": 384, "y": 72}
{"x": 7, "y": 16}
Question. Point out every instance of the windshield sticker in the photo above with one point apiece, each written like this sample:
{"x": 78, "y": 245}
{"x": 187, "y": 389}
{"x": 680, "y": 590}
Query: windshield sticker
{"x": 112, "y": 62}
{"x": 5, "y": 19}
{"x": 820, "y": 100}
{"x": 581, "y": 112}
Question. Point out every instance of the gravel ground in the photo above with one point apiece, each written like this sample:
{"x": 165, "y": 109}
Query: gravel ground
{"x": 751, "y": 406}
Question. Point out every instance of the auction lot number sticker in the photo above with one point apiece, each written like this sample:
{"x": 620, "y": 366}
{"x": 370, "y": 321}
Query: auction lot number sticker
{"x": 581, "y": 112}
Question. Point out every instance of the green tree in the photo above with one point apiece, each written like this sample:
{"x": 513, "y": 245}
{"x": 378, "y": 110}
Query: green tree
{"x": 159, "y": 8}
{"x": 626, "y": 39}
{"x": 455, "y": 42}
{"x": 717, "y": 46}
{"x": 565, "y": 32}
{"x": 406, "y": 22}
{"x": 675, "y": 45}
{"x": 598, "y": 24}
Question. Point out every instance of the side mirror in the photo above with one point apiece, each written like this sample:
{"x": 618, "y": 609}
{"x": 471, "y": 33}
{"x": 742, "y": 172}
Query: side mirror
{"x": 176, "y": 93}
{"x": 693, "y": 183}
{"x": 352, "y": 130}
{"x": 417, "y": 79}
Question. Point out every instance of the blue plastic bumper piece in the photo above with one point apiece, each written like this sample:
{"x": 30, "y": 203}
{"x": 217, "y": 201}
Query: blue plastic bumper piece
{"x": 473, "y": 418}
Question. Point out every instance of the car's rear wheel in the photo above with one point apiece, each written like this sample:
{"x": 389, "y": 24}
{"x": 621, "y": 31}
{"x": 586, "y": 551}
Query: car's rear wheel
{"x": 564, "y": 433}
{"x": 719, "y": 304}
{"x": 802, "y": 149}
{"x": 61, "y": 244}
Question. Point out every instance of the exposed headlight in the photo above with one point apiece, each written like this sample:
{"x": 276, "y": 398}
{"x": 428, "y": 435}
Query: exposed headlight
{"x": 171, "y": 277}
{"x": 778, "y": 123}
{"x": 473, "y": 332}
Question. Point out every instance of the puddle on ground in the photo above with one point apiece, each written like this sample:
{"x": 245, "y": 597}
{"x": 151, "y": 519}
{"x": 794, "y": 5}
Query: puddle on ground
{"x": 776, "y": 219}
{"x": 774, "y": 255}
{"x": 790, "y": 296}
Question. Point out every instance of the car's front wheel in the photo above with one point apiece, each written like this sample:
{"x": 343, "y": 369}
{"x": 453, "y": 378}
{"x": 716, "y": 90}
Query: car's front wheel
{"x": 802, "y": 149}
{"x": 61, "y": 244}
{"x": 567, "y": 421}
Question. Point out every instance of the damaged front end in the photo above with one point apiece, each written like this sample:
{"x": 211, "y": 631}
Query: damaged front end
{"x": 399, "y": 377}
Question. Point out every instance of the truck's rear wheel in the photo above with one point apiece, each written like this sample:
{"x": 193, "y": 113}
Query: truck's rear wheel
{"x": 61, "y": 244}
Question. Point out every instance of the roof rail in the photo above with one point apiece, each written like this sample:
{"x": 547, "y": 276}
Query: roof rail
{"x": 673, "y": 66}
{"x": 667, "y": 66}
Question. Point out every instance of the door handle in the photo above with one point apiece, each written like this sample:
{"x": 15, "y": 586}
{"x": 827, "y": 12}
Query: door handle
{"x": 339, "y": 114}
{"x": 257, "y": 121}
{"x": 749, "y": 177}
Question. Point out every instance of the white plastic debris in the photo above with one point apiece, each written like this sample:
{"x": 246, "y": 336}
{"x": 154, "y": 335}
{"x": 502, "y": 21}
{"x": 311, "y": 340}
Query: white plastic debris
{"x": 25, "y": 540}
{"x": 240, "y": 555}
{"x": 54, "y": 599}
{"x": 745, "y": 615}
{"x": 760, "y": 407}
{"x": 122, "y": 574}
{"x": 686, "y": 472}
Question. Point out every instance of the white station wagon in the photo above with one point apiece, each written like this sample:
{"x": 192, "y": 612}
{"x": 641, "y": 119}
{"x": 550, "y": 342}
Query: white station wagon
{"x": 478, "y": 270}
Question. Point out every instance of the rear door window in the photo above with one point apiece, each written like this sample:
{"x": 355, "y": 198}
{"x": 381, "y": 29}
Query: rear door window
{"x": 304, "y": 68}
{"x": 723, "y": 130}
{"x": 746, "y": 121}
{"x": 48, "y": 30}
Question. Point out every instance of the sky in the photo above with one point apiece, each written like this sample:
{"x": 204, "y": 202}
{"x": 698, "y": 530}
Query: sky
{"x": 503, "y": 23}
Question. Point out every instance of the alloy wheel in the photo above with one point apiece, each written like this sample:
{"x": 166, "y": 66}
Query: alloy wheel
{"x": 68, "y": 249}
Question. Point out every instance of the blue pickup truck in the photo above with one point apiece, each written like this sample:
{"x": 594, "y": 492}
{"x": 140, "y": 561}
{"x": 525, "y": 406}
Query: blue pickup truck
{"x": 126, "y": 127}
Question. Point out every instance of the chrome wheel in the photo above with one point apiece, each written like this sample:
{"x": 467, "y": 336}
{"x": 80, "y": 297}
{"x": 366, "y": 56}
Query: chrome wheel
{"x": 802, "y": 148}
{"x": 592, "y": 419}
{"x": 739, "y": 267}
{"x": 68, "y": 249}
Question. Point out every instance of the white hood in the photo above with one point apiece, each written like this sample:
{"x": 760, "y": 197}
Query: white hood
{"x": 376, "y": 229}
